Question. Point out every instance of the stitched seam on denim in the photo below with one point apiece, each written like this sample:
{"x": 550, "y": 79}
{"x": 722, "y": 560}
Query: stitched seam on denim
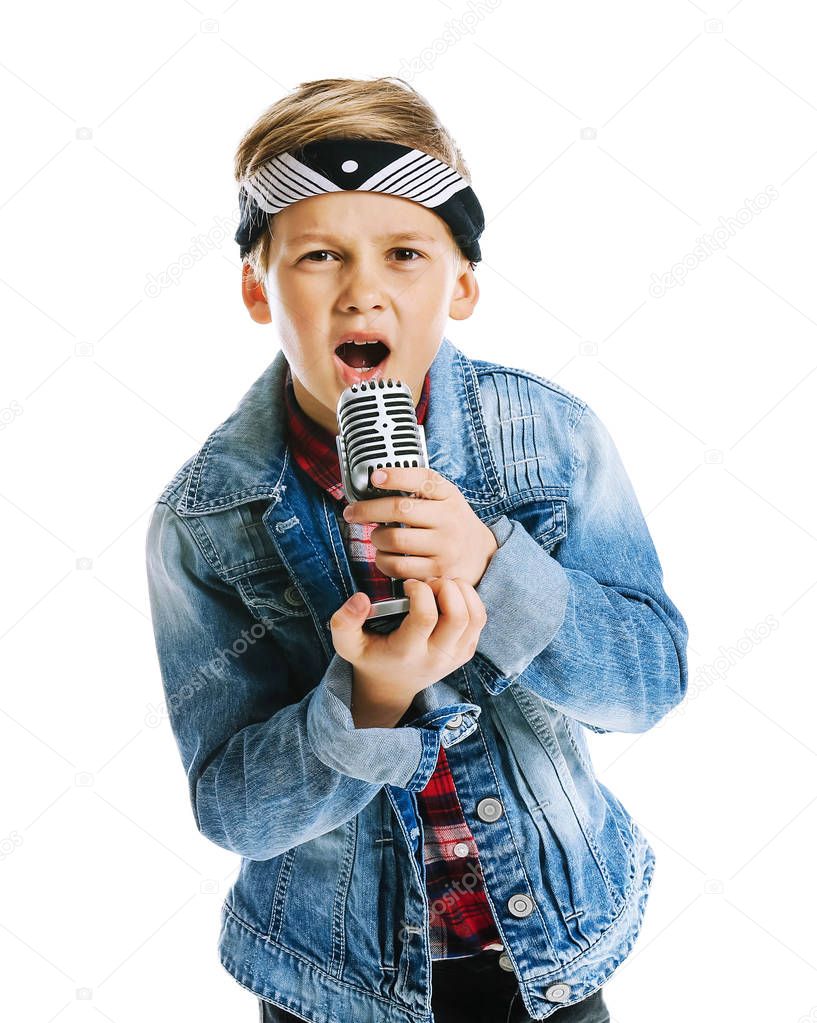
{"x": 195, "y": 473}
{"x": 559, "y": 529}
{"x": 230, "y": 500}
{"x": 407, "y": 851}
{"x": 219, "y": 503}
{"x": 573, "y": 428}
{"x": 256, "y": 598}
{"x": 320, "y": 629}
{"x": 230, "y": 909}
{"x": 340, "y": 901}
{"x": 505, "y": 463}
{"x": 205, "y": 540}
{"x": 280, "y": 893}
{"x": 480, "y": 436}
{"x": 190, "y": 532}
{"x": 256, "y": 603}
{"x": 491, "y": 368}
{"x": 326, "y": 517}
{"x": 486, "y": 669}
{"x": 530, "y": 710}
{"x": 569, "y": 730}
{"x": 260, "y": 565}
{"x": 429, "y": 751}
{"x": 519, "y": 440}
{"x": 308, "y": 539}
{"x": 490, "y": 764}
{"x": 636, "y": 895}
{"x": 556, "y": 901}
{"x": 175, "y": 485}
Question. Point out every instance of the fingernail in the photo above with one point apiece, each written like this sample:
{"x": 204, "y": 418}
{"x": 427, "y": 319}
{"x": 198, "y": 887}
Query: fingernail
{"x": 347, "y": 513}
{"x": 378, "y": 476}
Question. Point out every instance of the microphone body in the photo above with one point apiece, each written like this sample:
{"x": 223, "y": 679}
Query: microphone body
{"x": 377, "y": 429}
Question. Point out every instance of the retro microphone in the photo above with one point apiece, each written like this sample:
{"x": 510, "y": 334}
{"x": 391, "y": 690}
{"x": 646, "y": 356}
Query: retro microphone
{"x": 377, "y": 429}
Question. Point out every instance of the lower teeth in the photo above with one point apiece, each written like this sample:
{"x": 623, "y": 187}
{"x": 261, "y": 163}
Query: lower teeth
{"x": 364, "y": 370}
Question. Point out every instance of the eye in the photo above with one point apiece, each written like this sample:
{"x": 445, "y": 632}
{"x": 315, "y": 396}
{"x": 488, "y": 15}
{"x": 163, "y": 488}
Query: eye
{"x": 317, "y": 252}
{"x": 418, "y": 254}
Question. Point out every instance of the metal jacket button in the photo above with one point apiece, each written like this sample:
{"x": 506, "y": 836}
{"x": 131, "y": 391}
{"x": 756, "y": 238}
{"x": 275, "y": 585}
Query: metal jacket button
{"x": 520, "y": 905}
{"x": 558, "y": 993}
{"x": 454, "y": 722}
{"x": 489, "y": 809}
{"x": 291, "y": 596}
{"x": 505, "y": 962}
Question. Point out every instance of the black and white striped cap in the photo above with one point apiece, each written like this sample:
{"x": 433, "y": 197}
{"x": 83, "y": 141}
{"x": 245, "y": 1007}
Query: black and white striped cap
{"x": 363, "y": 165}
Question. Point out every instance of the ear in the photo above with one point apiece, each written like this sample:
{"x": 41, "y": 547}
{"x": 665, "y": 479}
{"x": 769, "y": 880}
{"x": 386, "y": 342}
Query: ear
{"x": 466, "y": 293}
{"x": 252, "y": 292}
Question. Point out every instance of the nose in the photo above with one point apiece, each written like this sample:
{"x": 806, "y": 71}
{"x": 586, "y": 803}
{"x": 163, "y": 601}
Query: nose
{"x": 363, "y": 289}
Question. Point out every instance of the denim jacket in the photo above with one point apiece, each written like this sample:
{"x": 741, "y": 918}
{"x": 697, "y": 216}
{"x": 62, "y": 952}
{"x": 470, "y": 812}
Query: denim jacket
{"x": 328, "y": 914}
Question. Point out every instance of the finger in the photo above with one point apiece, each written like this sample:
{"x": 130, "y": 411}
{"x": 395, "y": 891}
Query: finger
{"x": 410, "y": 510}
{"x": 453, "y": 620}
{"x": 426, "y": 482}
{"x": 422, "y": 612}
{"x": 477, "y": 612}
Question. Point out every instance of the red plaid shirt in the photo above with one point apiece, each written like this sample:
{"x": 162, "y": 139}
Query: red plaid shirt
{"x": 460, "y": 917}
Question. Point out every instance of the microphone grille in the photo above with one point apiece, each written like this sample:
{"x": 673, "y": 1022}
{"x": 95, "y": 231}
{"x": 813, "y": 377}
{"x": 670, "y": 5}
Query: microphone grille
{"x": 377, "y": 421}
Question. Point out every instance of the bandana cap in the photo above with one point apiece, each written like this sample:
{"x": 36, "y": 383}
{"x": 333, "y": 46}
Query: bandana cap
{"x": 361, "y": 165}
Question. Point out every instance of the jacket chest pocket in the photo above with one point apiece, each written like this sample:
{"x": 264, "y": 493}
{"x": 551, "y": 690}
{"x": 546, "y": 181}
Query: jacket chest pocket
{"x": 545, "y": 520}
{"x": 271, "y": 595}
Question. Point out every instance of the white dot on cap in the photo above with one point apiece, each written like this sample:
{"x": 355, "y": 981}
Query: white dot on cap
{"x": 349, "y": 166}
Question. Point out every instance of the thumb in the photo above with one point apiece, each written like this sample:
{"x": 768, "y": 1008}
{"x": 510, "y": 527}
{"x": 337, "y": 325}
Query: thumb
{"x": 357, "y": 605}
{"x": 346, "y": 624}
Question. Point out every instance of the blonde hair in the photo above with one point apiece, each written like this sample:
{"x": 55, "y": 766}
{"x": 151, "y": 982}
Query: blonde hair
{"x": 383, "y": 108}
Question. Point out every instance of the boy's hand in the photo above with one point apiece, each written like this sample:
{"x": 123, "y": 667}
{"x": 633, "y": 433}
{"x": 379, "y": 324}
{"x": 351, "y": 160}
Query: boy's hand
{"x": 439, "y": 634}
{"x": 444, "y": 538}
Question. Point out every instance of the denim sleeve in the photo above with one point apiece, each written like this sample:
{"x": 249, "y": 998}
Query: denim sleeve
{"x": 600, "y": 639}
{"x": 268, "y": 767}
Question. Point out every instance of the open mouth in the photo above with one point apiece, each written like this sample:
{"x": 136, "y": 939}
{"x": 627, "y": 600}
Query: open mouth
{"x": 362, "y": 356}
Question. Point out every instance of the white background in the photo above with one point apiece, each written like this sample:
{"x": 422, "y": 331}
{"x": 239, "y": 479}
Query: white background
{"x": 606, "y": 142}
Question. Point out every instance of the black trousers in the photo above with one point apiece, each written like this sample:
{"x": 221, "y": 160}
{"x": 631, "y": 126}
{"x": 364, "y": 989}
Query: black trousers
{"x": 475, "y": 989}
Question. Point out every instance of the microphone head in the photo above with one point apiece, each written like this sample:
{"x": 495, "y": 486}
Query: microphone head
{"x": 377, "y": 428}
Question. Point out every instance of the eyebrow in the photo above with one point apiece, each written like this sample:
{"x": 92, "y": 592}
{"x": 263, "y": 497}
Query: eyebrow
{"x": 398, "y": 236}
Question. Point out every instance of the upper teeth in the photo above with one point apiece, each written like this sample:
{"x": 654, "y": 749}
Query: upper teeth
{"x": 375, "y": 342}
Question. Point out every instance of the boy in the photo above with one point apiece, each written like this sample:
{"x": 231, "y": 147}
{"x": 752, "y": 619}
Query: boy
{"x": 422, "y": 834}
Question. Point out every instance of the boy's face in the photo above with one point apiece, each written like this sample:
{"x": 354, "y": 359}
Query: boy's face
{"x": 376, "y": 264}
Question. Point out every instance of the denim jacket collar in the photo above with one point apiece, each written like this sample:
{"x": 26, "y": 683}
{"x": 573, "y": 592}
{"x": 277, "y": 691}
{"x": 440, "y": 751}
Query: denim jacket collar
{"x": 248, "y": 459}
